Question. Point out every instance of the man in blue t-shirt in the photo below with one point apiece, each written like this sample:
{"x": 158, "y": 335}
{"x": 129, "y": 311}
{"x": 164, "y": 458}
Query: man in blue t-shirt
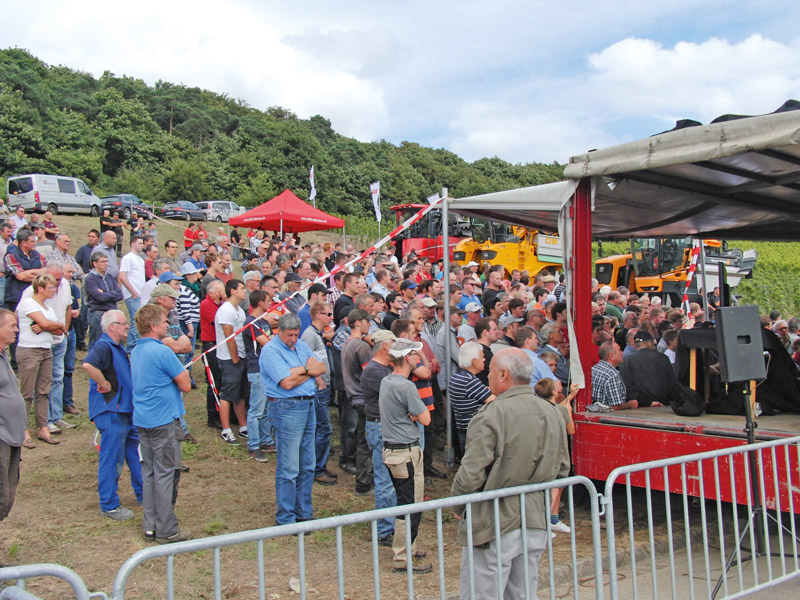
{"x": 111, "y": 410}
{"x": 288, "y": 370}
{"x": 158, "y": 406}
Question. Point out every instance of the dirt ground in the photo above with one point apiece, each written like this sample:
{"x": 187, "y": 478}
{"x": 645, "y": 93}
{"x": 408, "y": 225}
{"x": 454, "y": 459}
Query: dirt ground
{"x": 56, "y": 516}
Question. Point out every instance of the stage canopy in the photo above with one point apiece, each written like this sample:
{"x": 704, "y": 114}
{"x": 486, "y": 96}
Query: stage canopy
{"x": 736, "y": 178}
{"x": 287, "y": 213}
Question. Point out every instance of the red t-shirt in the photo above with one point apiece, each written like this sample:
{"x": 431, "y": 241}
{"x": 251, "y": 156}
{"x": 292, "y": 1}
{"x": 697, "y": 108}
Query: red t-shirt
{"x": 188, "y": 236}
{"x": 208, "y": 309}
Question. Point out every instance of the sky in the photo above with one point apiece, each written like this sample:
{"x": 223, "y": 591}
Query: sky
{"x": 526, "y": 81}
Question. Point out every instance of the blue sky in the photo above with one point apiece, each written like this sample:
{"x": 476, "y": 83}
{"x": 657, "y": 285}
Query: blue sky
{"x": 525, "y": 81}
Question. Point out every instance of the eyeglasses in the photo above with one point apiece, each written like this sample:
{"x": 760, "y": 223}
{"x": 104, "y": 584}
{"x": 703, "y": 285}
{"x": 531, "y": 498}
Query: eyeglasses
{"x": 123, "y": 323}
{"x": 330, "y": 314}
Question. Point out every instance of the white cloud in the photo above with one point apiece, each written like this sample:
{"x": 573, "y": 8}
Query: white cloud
{"x": 520, "y": 133}
{"x": 701, "y": 81}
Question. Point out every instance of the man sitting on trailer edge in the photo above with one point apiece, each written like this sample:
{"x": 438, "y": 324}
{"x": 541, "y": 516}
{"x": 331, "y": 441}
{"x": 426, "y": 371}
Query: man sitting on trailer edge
{"x": 607, "y": 385}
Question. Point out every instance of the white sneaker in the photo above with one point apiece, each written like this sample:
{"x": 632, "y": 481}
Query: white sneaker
{"x": 560, "y": 528}
{"x": 52, "y": 428}
{"x": 229, "y": 438}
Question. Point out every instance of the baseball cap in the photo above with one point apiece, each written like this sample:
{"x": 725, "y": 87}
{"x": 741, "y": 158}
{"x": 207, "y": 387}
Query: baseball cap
{"x": 168, "y": 276}
{"x": 506, "y": 320}
{"x": 197, "y": 247}
{"x": 317, "y": 288}
{"x": 402, "y": 347}
{"x": 548, "y": 279}
{"x": 383, "y": 335}
{"x": 188, "y": 268}
{"x": 290, "y": 277}
{"x": 407, "y": 284}
{"x": 472, "y": 307}
{"x": 429, "y": 302}
{"x": 164, "y": 289}
{"x": 642, "y": 336}
{"x": 454, "y": 310}
{"x": 472, "y": 263}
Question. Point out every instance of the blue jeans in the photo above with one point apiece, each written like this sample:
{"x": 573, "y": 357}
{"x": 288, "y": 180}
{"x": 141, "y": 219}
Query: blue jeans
{"x": 119, "y": 444}
{"x": 95, "y": 331}
{"x": 258, "y": 424}
{"x": 57, "y": 383}
{"x": 133, "y": 334}
{"x": 324, "y": 430}
{"x": 69, "y": 367}
{"x": 82, "y": 321}
{"x": 385, "y": 496}
{"x": 294, "y": 422}
{"x": 190, "y": 355}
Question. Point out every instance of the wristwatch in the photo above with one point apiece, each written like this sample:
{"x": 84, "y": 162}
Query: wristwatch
{"x": 306, "y": 368}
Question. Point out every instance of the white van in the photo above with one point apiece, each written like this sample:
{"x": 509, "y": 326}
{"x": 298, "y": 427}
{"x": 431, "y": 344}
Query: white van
{"x": 221, "y": 210}
{"x": 40, "y": 193}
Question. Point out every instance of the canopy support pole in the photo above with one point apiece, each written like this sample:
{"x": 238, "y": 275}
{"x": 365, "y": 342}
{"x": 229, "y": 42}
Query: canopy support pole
{"x": 281, "y": 229}
{"x": 581, "y": 214}
{"x": 449, "y": 453}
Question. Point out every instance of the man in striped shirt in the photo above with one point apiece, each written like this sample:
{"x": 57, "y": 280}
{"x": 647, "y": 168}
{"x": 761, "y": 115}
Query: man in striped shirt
{"x": 466, "y": 392}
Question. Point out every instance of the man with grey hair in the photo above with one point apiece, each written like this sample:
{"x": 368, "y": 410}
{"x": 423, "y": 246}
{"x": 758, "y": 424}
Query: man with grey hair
{"x": 550, "y": 337}
{"x": 61, "y": 254}
{"x": 466, "y": 392}
{"x": 108, "y": 246}
{"x": 160, "y": 266}
{"x": 518, "y": 425}
{"x": 111, "y": 410}
{"x": 288, "y": 369}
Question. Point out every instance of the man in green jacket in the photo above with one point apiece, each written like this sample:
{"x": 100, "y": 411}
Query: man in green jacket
{"x": 516, "y": 440}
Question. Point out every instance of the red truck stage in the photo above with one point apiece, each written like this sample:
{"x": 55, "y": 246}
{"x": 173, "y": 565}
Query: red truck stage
{"x": 736, "y": 178}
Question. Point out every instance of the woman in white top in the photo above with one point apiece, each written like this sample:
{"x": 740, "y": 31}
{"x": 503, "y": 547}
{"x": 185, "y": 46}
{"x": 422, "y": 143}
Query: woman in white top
{"x": 37, "y": 325}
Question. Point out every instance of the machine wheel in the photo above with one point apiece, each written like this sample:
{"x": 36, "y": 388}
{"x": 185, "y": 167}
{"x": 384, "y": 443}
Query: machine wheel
{"x": 52, "y": 208}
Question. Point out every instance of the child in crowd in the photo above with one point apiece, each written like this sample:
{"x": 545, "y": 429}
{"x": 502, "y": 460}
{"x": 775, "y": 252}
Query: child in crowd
{"x": 552, "y": 391}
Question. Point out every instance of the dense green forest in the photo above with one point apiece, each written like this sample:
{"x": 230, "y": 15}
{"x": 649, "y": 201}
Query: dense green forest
{"x": 169, "y": 141}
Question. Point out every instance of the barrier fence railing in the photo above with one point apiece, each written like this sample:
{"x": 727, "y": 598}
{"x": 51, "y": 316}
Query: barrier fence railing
{"x": 22, "y": 572}
{"x": 715, "y": 513}
{"x": 338, "y": 523}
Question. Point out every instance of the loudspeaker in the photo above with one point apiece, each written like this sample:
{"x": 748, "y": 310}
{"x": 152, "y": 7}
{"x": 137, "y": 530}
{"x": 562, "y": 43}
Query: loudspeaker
{"x": 741, "y": 351}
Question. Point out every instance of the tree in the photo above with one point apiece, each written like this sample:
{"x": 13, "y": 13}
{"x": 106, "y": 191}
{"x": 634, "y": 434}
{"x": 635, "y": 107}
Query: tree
{"x": 186, "y": 180}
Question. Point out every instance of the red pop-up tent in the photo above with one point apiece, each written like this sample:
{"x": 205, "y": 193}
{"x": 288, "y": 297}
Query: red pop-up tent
{"x": 287, "y": 212}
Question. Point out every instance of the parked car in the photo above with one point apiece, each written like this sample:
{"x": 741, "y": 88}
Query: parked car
{"x": 127, "y": 205}
{"x": 221, "y": 210}
{"x": 56, "y": 193}
{"x": 183, "y": 209}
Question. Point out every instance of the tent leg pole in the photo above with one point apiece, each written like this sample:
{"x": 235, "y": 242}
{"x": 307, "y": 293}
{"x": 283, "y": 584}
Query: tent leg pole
{"x": 581, "y": 280}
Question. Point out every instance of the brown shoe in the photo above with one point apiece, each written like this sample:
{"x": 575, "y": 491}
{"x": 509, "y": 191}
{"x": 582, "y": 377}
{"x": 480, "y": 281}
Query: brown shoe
{"x": 71, "y": 410}
{"x": 29, "y": 444}
{"x": 48, "y": 440}
{"x": 416, "y": 567}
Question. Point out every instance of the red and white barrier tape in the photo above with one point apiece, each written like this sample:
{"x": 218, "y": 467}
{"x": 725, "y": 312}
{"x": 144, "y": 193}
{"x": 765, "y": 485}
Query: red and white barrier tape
{"x": 690, "y": 274}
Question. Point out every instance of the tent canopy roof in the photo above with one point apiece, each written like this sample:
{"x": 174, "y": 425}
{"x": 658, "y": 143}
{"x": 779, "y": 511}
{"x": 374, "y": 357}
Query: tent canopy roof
{"x": 738, "y": 178}
{"x": 289, "y": 213}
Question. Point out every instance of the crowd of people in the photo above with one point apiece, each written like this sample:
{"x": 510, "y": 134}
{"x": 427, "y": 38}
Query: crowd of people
{"x": 369, "y": 340}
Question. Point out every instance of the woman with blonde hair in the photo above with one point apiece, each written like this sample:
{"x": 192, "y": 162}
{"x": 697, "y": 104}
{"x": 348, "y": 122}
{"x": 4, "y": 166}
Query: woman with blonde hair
{"x": 37, "y": 326}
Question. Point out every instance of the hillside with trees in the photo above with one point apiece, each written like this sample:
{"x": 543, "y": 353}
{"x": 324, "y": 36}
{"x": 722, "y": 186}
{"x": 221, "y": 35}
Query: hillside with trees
{"x": 170, "y": 141}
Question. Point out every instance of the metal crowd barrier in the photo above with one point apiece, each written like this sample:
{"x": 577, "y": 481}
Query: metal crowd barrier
{"x": 337, "y": 523}
{"x": 731, "y": 522}
{"x": 23, "y": 572}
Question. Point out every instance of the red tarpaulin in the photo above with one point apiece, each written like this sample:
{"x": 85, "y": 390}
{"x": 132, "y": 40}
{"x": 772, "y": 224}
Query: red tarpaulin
{"x": 286, "y": 212}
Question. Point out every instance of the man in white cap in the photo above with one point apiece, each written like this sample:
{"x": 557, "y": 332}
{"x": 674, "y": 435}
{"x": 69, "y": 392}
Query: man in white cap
{"x": 466, "y": 332}
{"x": 400, "y": 409}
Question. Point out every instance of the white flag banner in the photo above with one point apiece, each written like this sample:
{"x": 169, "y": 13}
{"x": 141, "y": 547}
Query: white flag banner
{"x": 375, "y": 190}
{"x": 433, "y": 199}
{"x": 313, "y": 193}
